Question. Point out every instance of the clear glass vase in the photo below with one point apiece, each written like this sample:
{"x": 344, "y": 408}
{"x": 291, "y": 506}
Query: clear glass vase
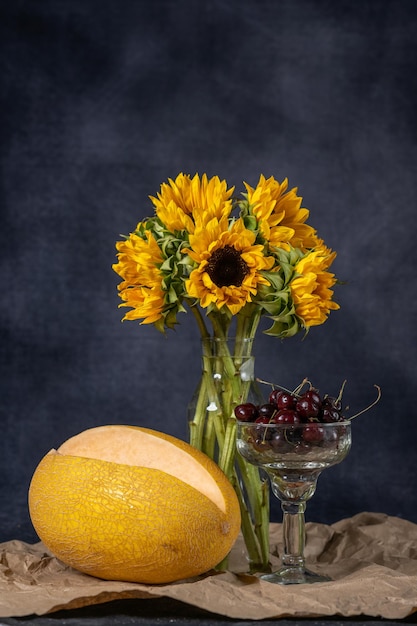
{"x": 228, "y": 379}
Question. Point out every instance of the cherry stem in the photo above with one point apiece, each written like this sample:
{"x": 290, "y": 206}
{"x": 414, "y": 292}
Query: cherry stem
{"x": 371, "y": 405}
{"x": 273, "y": 385}
{"x": 265, "y": 382}
{"x": 339, "y": 397}
{"x": 295, "y": 392}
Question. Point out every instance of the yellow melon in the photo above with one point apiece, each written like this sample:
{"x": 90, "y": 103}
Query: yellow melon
{"x": 130, "y": 503}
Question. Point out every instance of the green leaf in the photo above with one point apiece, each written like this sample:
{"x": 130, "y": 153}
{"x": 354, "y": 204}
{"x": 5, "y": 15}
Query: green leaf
{"x": 160, "y": 325}
{"x": 171, "y": 295}
{"x": 283, "y": 329}
{"x": 171, "y": 319}
{"x": 167, "y": 265}
{"x": 250, "y": 222}
{"x": 276, "y": 284}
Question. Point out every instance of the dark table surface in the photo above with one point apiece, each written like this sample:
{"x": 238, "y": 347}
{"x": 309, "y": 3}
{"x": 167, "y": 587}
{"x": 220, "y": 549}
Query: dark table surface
{"x": 165, "y": 611}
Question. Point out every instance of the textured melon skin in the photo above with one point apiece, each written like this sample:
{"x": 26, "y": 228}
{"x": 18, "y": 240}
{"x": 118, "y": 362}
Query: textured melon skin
{"x": 123, "y": 522}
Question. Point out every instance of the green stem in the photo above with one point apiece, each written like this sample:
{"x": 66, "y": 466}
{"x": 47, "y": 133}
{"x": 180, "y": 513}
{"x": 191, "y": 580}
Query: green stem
{"x": 195, "y": 309}
{"x": 198, "y": 423}
{"x": 257, "y": 491}
{"x": 228, "y": 451}
{"x": 256, "y": 553}
{"x": 213, "y": 427}
{"x": 209, "y": 440}
{"x": 256, "y": 530}
{"x": 248, "y": 321}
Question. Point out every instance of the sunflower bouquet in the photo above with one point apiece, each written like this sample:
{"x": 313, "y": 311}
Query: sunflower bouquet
{"x": 230, "y": 261}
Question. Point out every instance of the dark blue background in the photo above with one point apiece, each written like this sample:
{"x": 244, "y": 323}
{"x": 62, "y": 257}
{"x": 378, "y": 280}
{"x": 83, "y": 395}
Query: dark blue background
{"x": 101, "y": 101}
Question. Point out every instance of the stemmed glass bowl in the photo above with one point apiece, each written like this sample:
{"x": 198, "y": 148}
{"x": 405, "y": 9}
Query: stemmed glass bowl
{"x": 294, "y": 456}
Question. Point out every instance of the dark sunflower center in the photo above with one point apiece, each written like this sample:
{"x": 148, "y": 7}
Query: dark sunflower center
{"x": 226, "y": 267}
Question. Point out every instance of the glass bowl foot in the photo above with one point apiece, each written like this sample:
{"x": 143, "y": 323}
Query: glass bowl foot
{"x": 294, "y": 576}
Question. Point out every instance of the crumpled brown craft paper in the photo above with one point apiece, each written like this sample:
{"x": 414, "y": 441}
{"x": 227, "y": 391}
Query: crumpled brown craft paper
{"x": 372, "y": 559}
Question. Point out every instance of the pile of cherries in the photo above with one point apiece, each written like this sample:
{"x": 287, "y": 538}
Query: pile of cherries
{"x": 292, "y": 409}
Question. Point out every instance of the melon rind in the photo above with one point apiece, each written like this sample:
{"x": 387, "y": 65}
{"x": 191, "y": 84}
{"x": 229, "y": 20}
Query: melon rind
{"x": 124, "y": 522}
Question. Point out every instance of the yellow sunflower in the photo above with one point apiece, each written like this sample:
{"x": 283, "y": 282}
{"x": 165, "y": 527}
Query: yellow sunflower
{"x": 184, "y": 201}
{"x": 138, "y": 262}
{"x": 281, "y": 219}
{"x": 229, "y": 265}
{"x": 311, "y": 288}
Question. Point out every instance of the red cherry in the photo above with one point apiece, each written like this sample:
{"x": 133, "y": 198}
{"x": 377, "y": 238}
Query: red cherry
{"x": 262, "y": 419}
{"x": 306, "y": 408}
{"x": 267, "y": 410}
{"x": 333, "y": 403}
{"x": 279, "y": 442}
{"x": 247, "y": 412}
{"x": 274, "y": 395}
{"x": 313, "y": 395}
{"x": 286, "y": 416}
{"x": 329, "y": 415}
{"x": 286, "y": 401}
{"x": 313, "y": 433}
